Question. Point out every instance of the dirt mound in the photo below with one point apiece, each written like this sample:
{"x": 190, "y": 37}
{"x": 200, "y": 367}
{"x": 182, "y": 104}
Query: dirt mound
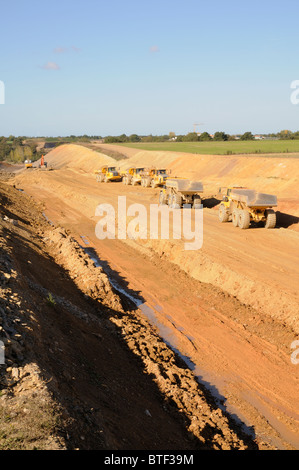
{"x": 277, "y": 175}
{"x": 273, "y": 175}
{"x": 78, "y": 158}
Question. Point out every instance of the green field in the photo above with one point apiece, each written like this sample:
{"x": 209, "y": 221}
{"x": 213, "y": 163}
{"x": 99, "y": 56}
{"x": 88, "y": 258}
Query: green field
{"x": 224, "y": 148}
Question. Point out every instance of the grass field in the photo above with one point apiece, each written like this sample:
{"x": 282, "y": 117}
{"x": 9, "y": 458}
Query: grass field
{"x": 223, "y": 148}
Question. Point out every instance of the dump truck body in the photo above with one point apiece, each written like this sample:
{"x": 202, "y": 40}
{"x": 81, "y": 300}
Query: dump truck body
{"x": 179, "y": 191}
{"x": 243, "y": 206}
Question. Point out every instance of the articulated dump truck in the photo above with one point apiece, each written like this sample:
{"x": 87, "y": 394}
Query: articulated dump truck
{"x": 180, "y": 191}
{"x": 243, "y": 206}
{"x": 132, "y": 176}
{"x": 153, "y": 177}
{"x": 107, "y": 173}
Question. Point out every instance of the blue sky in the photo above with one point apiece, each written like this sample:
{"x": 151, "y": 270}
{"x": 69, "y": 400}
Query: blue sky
{"x": 107, "y": 68}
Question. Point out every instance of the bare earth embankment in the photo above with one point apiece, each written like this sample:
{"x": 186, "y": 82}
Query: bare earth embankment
{"x": 230, "y": 309}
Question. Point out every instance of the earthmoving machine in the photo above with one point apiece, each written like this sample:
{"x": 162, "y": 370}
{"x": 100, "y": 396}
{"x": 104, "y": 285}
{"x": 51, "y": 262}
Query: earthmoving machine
{"x": 180, "y": 191}
{"x": 107, "y": 173}
{"x": 132, "y": 176}
{"x": 28, "y": 164}
{"x": 243, "y": 206}
{"x": 43, "y": 165}
{"x": 154, "y": 177}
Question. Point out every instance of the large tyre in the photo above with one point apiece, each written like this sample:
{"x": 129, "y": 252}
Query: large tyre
{"x": 176, "y": 201}
{"x": 244, "y": 219}
{"x": 235, "y": 217}
{"x": 270, "y": 218}
{"x": 124, "y": 180}
{"x": 162, "y": 198}
{"x": 223, "y": 214}
{"x": 196, "y": 202}
{"x": 153, "y": 184}
{"x": 100, "y": 178}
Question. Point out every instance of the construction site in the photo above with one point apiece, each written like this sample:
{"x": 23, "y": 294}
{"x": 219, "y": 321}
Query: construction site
{"x": 136, "y": 343}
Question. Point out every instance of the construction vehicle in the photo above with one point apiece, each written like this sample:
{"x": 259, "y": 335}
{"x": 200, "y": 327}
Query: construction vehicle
{"x": 28, "y": 164}
{"x": 107, "y": 173}
{"x": 180, "y": 191}
{"x": 153, "y": 177}
{"x": 43, "y": 165}
{"x": 132, "y": 176}
{"x": 243, "y": 206}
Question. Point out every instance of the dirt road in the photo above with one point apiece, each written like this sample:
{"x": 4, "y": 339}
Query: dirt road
{"x": 230, "y": 310}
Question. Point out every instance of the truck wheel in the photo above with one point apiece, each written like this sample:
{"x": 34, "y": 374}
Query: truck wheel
{"x": 244, "y": 219}
{"x": 162, "y": 198}
{"x": 222, "y": 214}
{"x": 106, "y": 179}
{"x": 169, "y": 200}
{"x": 124, "y": 180}
{"x": 196, "y": 202}
{"x": 176, "y": 201}
{"x": 270, "y": 218}
{"x": 153, "y": 184}
{"x": 235, "y": 217}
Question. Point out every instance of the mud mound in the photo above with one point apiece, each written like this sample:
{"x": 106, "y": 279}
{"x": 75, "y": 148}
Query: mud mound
{"x": 277, "y": 175}
{"x": 78, "y": 158}
{"x": 93, "y": 281}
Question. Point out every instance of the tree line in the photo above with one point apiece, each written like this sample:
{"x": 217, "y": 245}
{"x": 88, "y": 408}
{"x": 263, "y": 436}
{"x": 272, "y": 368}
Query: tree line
{"x": 195, "y": 137}
{"x": 17, "y": 150}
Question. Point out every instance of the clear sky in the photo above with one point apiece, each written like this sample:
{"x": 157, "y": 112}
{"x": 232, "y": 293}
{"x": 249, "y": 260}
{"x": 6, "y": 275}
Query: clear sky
{"x": 111, "y": 67}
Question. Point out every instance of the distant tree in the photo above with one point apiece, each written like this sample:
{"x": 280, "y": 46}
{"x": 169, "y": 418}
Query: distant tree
{"x": 134, "y": 138}
{"x": 285, "y": 135}
{"x": 110, "y": 139}
{"x": 191, "y": 137}
{"x": 247, "y": 136}
{"x": 123, "y": 138}
{"x": 205, "y": 136}
{"x": 220, "y": 136}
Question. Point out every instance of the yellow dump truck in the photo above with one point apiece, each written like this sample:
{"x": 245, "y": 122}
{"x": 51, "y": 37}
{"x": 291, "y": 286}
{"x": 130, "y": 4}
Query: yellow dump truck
{"x": 180, "y": 191}
{"x": 107, "y": 173}
{"x": 28, "y": 164}
{"x": 132, "y": 176}
{"x": 243, "y": 206}
{"x": 153, "y": 177}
